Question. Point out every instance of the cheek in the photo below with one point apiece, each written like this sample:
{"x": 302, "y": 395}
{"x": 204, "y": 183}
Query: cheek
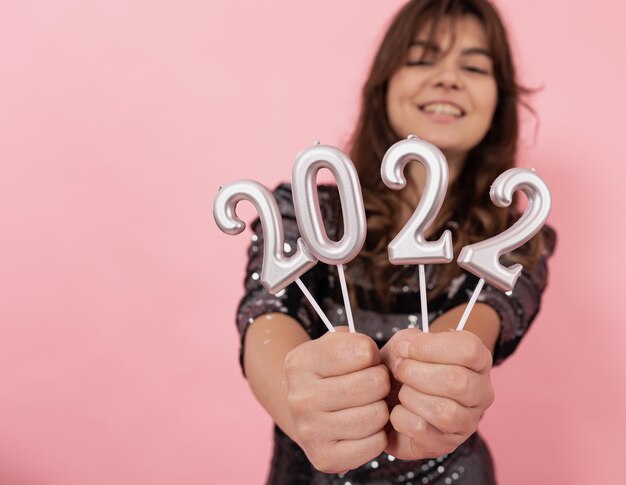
{"x": 492, "y": 98}
{"x": 392, "y": 100}
{"x": 488, "y": 102}
{"x": 402, "y": 86}
{"x": 394, "y": 88}
{"x": 391, "y": 113}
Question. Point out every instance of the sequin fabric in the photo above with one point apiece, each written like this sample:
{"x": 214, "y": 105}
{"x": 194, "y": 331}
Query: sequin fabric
{"x": 471, "y": 462}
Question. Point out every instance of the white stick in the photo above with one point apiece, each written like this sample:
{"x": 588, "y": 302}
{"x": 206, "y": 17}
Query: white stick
{"x": 312, "y": 301}
{"x": 424, "y": 301}
{"x": 471, "y": 303}
{"x": 346, "y": 298}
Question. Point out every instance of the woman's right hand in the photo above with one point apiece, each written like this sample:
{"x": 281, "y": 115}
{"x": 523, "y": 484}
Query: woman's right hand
{"x": 336, "y": 395}
{"x": 442, "y": 384}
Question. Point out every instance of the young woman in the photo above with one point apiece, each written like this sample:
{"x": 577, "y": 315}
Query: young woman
{"x": 392, "y": 404}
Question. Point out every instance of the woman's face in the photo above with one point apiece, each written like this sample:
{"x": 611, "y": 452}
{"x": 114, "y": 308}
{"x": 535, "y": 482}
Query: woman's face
{"x": 447, "y": 98}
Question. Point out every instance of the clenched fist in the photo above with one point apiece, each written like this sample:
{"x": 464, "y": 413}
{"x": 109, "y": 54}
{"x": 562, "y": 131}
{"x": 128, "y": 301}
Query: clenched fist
{"x": 442, "y": 386}
{"x": 337, "y": 387}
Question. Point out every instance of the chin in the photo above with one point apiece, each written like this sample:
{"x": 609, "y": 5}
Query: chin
{"x": 446, "y": 145}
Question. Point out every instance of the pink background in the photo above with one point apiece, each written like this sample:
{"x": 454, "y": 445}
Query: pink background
{"x": 118, "y": 122}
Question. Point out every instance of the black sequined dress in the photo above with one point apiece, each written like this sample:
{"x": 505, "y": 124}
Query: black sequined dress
{"x": 470, "y": 463}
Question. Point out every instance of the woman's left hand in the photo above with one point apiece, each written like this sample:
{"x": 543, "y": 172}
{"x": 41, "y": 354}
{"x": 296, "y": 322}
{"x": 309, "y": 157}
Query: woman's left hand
{"x": 442, "y": 388}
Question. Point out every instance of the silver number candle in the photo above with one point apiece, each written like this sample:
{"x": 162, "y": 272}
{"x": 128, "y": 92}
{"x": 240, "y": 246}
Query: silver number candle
{"x": 483, "y": 258}
{"x": 278, "y": 270}
{"x": 308, "y": 214}
{"x": 410, "y": 245}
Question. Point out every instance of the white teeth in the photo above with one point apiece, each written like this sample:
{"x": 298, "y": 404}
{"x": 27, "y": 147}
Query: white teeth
{"x": 442, "y": 109}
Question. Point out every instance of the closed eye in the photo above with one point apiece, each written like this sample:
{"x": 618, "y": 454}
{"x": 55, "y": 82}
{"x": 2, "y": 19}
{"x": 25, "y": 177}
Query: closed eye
{"x": 475, "y": 69}
{"x": 420, "y": 62}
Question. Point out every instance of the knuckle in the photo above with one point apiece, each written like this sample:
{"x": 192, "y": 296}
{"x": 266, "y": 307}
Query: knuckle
{"x": 292, "y": 361}
{"x": 403, "y": 394}
{"x": 363, "y": 350}
{"x": 469, "y": 427}
{"x": 474, "y": 425}
{"x": 405, "y": 371}
{"x": 419, "y": 426}
{"x": 380, "y": 413}
{"x": 472, "y": 350}
{"x": 299, "y": 403}
{"x": 380, "y": 379}
{"x": 322, "y": 460}
{"x": 458, "y": 380}
{"x": 404, "y": 334}
{"x": 475, "y": 353}
{"x": 380, "y": 443}
{"x": 395, "y": 417}
{"x": 305, "y": 430}
{"x": 490, "y": 395}
{"x": 488, "y": 360}
{"x": 448, "y": 416}
{"x": 483, "y": 396}
{"x": 487, "y": 396}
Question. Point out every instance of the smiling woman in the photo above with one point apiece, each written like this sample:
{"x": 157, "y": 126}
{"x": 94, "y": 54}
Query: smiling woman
{"x": 456, "y": 53}
{"x": 446, "y": 92}
{"x": 119, "y": 121}
{"x": 348, "y": 406}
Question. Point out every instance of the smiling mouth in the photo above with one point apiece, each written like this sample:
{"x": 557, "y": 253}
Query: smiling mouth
{"x": 442, "y": 109}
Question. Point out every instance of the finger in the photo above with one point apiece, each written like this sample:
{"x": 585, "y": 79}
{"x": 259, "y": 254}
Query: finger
{"x": 390, "y": 353}
{"x": 339, "y": 392}
{"x": 354, "y": 453}
{"x": 355, "y": 389}
{"x": 447, "y": 415}
{"x": 456, "y": 347}
{"x": 455, "y": 382}
{"x": 359, "y": 422}
{"x": 426, "y": 441}
{"x": 334, "y": 354}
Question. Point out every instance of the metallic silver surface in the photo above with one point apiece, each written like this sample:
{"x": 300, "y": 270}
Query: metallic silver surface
{"x": 410, "y": 245}
{"x": 305, "y": 197}
{"x": 278, "y": 271}
{"x": 483, "y": 258}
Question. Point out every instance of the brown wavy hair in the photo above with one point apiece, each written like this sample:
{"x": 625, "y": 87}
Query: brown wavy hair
{"x": 467, "y": 209}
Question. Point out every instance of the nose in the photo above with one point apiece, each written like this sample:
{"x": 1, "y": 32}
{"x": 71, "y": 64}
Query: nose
{"x": 447, "y": 76}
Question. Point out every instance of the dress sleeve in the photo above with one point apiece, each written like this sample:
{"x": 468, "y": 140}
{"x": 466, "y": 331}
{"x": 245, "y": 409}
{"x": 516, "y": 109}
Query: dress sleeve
{"x": 256, "y": 301}
{"x": 518, "y": 310}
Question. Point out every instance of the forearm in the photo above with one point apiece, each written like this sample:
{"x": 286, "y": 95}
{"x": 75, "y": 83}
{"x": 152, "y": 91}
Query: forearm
{"x": 483, "y": 322}
{"x": 268, "y": 340}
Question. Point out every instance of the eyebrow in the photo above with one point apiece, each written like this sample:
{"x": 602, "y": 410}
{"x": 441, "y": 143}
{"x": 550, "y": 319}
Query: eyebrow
{"x": 465, "y": 52}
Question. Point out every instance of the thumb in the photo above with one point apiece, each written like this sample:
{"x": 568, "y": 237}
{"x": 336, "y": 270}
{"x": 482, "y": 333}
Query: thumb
{"x": 398, "y": 348}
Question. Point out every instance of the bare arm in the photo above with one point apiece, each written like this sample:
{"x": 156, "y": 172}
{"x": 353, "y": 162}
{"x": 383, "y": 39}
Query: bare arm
{"x": 483, "y": 322}
{"x": 268, "y": 341}
{"x": 326, "y": 394}
{"x": 272, "y": 337}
